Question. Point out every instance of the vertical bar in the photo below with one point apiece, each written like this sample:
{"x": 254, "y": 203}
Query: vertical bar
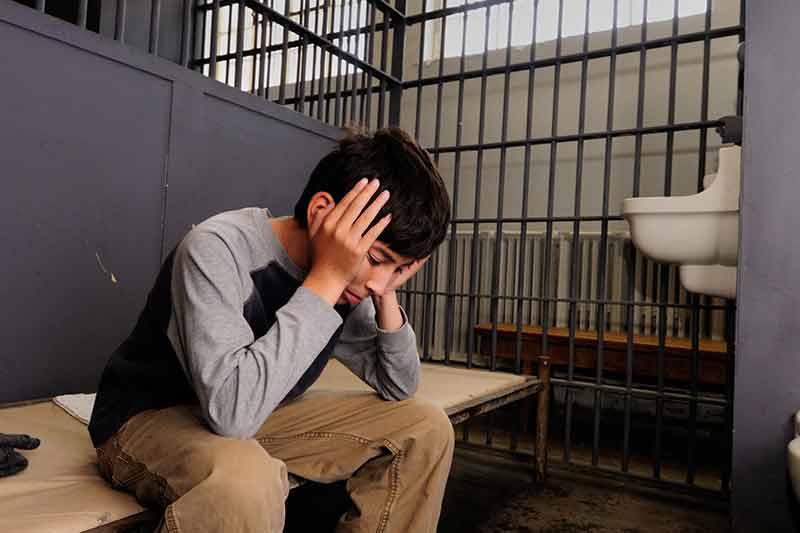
{"x": 155, "y": 26}
{"x": 740, "y": 83}
{"x": 551, "y": 182}
{"x": 300, "y": 84}
{"x": 603, "y": 251}
{"x": 501, "y": 182}
{"x": 542, "y": 418}
{"x": 228, "y": 49}
{"x": 525, "y": 186}
{"x": 382, "y": 83}
{"x": 576, "y": 233}
{"x": 338, "y": 107}
{"x": 83, "y": 8}
{"x": 368, "y": 110}
{"x": 420, "y": 63}
{"x": 254, "y": 45}
{"x": 269, "y": 55}
{"x": 398, "y": 47}
{"x": 284, "y": 55}
{"x": 40, "y": 5}
{"x": 330, "y": 65}
{"x": 345, "y": 75}
{"x": 239, "y": 45}
{"x": 214, "y": 39}
{"x": 631, "y": 306}
{"x": 430, "y": 281}
{"x": 199, "y": 36}
{"x": 730, "y": 342}
{"x": 473, "y": 278}
{"x": 187, "y": 33}
{"x": 119, "y": 19}
{"x": 262, "y": 57}
{"x": 695, "y": 333}
{"x": 314, "y": 48}
{"x": 320, "y": 91}
{"x": 662, "y": 322}
{"x": 355, "y": 67}
{"x": 452, "y": 248}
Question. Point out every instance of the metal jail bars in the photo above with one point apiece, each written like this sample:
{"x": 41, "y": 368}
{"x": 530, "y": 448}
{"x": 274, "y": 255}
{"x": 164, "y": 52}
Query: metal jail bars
{"x": 541, "y": 115}
{"x": 536, "y": 240}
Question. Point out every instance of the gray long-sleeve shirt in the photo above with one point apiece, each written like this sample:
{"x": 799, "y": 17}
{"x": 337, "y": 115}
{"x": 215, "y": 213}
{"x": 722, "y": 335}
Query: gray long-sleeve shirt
{"x": 229, "y": 315}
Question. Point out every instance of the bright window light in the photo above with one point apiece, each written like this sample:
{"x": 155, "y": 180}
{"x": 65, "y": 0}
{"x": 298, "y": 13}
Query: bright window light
{"x": 601, "y": 12}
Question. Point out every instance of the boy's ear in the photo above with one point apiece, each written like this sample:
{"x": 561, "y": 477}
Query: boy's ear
{"x": 319, "y": 204}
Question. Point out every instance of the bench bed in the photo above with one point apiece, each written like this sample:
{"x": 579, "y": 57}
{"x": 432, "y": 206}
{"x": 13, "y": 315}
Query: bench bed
{"x": 61, "y": 490}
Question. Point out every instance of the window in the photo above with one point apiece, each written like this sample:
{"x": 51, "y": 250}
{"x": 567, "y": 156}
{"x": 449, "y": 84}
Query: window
{"x": 629, "y": 13}
{"x": 335, "y": 13}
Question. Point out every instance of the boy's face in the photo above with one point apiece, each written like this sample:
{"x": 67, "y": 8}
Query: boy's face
{"x": 383, "y": 270}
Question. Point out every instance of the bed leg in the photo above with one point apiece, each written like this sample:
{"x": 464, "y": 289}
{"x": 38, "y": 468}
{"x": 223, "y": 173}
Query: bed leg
{"x": 542, "y": 419}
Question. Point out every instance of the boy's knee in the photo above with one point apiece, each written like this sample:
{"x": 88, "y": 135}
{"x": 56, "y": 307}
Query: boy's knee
{"x": 244, "y": 485}
{"x": 239, "y": 464}
{"x": 435, "y": 428}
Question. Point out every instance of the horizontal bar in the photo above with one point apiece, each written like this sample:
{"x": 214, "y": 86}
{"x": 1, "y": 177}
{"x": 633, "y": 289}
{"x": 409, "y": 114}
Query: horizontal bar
{"x": 560, "y": 300}
{"x": 618, "y": 390}
{"x": 441, "y": 13}
{"x": 597, "y": 218}
{"x": 629, "y": 132}
{"x": 578, "y": 57}
{"x": 380, "y": 4}
{"x": 634, "y": 392}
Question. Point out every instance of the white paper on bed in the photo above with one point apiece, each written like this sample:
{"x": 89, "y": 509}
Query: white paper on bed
{"x": 78, "y": 405}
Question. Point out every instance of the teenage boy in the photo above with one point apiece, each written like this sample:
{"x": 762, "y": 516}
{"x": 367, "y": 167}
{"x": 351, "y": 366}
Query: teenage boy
{"x": 201, "y": 410}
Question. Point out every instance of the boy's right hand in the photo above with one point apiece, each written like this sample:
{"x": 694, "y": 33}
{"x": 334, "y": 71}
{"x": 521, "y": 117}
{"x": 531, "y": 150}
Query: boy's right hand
{"x": 341, "y": 238}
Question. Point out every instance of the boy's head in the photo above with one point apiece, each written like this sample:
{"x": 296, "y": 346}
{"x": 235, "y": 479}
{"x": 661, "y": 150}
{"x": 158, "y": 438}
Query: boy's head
{"x": 419, "y": 202}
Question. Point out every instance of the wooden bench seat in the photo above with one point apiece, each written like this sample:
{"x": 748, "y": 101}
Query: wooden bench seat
{"x": 712, "y": 354}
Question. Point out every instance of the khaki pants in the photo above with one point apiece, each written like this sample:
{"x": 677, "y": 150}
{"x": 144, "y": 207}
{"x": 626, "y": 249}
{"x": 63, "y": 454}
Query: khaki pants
{"x": 395, "y": 457}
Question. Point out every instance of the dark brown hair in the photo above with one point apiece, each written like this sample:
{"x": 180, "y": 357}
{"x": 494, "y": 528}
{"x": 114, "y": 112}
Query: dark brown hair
{"x": 419, "y": 203}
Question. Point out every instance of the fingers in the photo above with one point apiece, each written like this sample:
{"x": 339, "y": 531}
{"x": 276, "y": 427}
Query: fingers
{"x": 374, "y": 232}
{"x": 342, "y": 205}
{"x": 358, "y": 204}
{"x": 369, "y": 214}
{"x": 21, "y": 442}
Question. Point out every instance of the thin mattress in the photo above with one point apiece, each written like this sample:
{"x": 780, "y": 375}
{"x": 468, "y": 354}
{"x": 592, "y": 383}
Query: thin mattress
{"x": 61, "y": 490}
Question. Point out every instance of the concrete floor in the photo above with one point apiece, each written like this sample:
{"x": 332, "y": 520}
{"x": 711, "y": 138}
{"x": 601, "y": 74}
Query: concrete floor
{"x": 489, "y": 494}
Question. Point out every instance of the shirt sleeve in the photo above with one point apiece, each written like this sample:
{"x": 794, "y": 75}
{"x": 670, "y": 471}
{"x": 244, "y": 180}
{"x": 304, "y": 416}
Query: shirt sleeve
{"x": 388, "y": 361}
{"x": 239, "y": 380}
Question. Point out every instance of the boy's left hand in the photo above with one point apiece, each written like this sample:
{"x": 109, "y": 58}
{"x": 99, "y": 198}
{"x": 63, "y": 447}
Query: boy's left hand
{"x": 405, "y": 274}
{"x": 387, "y": 309}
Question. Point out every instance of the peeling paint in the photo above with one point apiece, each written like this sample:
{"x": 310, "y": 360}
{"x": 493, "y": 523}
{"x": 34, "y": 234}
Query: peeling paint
{"x": 104, "y": 269}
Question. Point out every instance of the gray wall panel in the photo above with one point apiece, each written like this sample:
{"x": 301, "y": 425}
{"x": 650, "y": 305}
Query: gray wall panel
{"x": 107, "y": 156}
{"x": 82, "y": 186}
{"x": 767, "y": 389}
{"x": 232, "y": 156}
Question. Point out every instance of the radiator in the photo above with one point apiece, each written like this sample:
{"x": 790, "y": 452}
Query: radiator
{"x": 426, "y": 296}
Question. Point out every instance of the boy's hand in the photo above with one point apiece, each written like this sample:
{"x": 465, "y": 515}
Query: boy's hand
{"x": 387, "y": 308}
{"x": 340, "y": 240}
{"x": 405, "y": 274}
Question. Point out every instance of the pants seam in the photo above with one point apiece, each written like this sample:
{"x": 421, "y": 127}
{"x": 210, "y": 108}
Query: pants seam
{"x": 394, "y": 472}
{"x": 167, "y": 493}
{"x": 309, "y": 435}
{"x": 170, "y": 520}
